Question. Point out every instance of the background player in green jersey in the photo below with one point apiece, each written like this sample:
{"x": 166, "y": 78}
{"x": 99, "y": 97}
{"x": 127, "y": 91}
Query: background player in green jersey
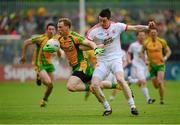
{"x": 42, "y": 61}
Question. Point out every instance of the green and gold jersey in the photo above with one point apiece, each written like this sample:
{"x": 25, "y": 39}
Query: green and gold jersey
{"x": 155, "y": 50}
{"x": 90, "y": 55}
{"x": 40, "y": 57}
{"x": 70, "y": 45}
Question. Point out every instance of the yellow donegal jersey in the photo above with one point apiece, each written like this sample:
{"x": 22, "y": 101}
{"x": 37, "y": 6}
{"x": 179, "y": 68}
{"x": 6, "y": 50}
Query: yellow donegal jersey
{"x": 40, "y": 57}
{"x": 90, "y": 55}
{"x": 70, "y": 45}
{"x": 154, "y": 50}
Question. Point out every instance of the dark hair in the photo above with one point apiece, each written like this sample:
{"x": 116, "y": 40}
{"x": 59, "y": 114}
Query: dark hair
{"x": 66, "y": 21}
{"x": 137, "y": 33}
{"x": 50, "y": 24}
{"x": 105, "y": 13}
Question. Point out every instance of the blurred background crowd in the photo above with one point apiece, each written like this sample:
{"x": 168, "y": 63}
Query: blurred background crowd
{"x": 27, "y": 18}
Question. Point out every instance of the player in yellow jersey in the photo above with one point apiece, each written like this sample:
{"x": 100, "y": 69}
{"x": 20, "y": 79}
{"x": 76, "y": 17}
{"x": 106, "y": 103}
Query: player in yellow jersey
{"x": 42, "y": 61}
{"x": 158, "y": 52}
{"x": 81, "y": 69}
{"x": 90, "y": 55}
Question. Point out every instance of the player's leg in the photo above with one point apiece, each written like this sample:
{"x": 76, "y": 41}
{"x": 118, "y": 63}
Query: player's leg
{"x": 155, "y": 82}
{"x": 157, "y": 74}
{"x": 98, "y": 75}
{"x": 110, "y": 82}
{"x": 46, "y": 80}
{"x": 117, "y": 68}
{"x": 132, "y": 78}
{"x": 113, "y": 94}
{"x": 38, "y": 79}
{"x": 79, "y": 82}
{"x": 107, "y": 84}
{"x": 110, "y": 85}
{"x": 97, "y": 91}
{"x": 153, "y": 75}
{"x": 47, "y": 76}
{"x": 145, "y": 91}
{"x": 81, "y": 77}
{"x": 75, "y": 84}
{"x": 160, "y": 78}
{"x": 141, "y": 76}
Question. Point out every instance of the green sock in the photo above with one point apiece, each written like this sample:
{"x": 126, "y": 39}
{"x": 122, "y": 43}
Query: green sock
{"x": 87, "y": 87}
{"x": 114, "y": 85}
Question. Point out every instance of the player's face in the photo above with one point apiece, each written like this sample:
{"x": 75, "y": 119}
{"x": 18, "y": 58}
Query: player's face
{"x": 141, "y": 37}
{"x": 104, "y": 22}
{"x": 51, "y": 30}
{"x": 62, "y": 29}
{"x": 153, "y": 33}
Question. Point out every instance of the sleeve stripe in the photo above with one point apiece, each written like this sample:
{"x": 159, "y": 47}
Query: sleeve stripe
{"x": 126, "y": 28}
{"x": 89, "y": 39}
{"x": 94, "y": 27}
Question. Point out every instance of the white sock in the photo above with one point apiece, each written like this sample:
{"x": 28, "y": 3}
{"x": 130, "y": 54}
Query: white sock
{"x": 131, "y": 103}
{"x": 106, "y": 105}
{"x": 145, "y": 92}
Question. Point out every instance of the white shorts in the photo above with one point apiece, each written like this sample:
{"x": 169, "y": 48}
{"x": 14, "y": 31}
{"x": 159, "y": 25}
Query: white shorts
{"x": 103, "y": 69}
{"x": 139, "y": 73}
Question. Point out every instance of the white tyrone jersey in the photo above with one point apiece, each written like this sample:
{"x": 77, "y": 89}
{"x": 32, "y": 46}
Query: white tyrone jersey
{"x": 110, "y": 38}
{"x": 135, "y": 49}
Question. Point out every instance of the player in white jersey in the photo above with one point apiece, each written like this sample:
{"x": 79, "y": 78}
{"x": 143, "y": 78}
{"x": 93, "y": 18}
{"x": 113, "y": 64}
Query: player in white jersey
{"x": 126, "y": 73}
{"x": 108, "y": 33}
{"x": 139, "y": 69}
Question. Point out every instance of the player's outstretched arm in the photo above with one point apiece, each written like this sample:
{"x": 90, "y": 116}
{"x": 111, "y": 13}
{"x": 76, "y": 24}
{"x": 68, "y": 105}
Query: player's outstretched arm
{"x": 92, "y": 45}
{"x": 141, "y": 27}
{"x": 24, "y": 50}
{"x": 84, "y": 48}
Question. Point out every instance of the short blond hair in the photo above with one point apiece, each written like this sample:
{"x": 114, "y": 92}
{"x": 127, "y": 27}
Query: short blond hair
{"x": 66, "y": 21}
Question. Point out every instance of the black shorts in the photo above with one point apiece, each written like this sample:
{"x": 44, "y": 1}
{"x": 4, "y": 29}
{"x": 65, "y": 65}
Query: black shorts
{"x": 80, "y": 74}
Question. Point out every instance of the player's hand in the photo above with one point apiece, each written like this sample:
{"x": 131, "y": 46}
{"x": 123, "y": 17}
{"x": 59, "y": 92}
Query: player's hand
{"x": 146, "y": 62}
{"x": 98, "y": 51}
{"x": 152, "y": 25}
{"x": 165, "y": 58}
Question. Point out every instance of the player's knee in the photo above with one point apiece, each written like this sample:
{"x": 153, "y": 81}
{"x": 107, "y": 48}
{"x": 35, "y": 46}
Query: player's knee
{"x": 47, "y": 82}
{"x": 142, "y": 83}
{"x": 95, "y": 86}
{"x": 102, "y": 86}
{"x": 160, "y": 81}
{"x": 121, "y": 81}
{"x": 91, "y": 89}
{"x": 70, "y": 88}
{"x": 50, "y": 85}
{"x": 156, "y": 85}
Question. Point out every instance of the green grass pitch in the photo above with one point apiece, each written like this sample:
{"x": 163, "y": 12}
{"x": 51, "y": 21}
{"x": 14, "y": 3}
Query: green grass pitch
{"x": 19, "y": 104}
